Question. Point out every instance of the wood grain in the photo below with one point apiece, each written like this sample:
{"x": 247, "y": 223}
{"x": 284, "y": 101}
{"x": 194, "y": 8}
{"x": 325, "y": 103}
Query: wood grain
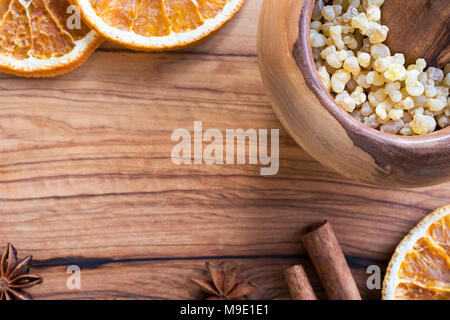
{"x": 419, "y": 29}
{"x": 86, "y": 179}
{"x": 320, "y": 125}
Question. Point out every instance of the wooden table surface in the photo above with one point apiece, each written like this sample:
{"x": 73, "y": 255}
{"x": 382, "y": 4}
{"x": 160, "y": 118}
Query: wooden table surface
{"x": 86, "y": 178}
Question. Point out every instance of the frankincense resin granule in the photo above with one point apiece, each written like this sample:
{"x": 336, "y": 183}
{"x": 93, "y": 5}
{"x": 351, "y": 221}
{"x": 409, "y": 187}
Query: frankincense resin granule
{"x": 369, "y": 82}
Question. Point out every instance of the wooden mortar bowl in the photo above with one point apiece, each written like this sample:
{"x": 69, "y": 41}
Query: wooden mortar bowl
{"x": 321, "y": 127}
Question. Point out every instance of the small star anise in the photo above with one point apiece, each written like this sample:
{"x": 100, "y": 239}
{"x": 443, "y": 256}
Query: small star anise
{"x": 14, "y": 276}
{"x": 224, "y": 283}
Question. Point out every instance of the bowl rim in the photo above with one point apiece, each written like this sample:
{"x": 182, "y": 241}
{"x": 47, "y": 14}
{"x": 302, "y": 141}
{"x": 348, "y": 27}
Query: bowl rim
{"x": 307, "y": 65}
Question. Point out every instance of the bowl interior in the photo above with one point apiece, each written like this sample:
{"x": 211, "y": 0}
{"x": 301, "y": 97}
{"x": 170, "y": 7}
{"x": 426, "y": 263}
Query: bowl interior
{"x": 304, "y": 58}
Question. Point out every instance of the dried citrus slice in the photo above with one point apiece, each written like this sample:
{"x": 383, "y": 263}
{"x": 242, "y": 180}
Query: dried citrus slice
{"x": 157, "y": 24}
{"x": 420, "y": 266}
{"x": 37, "y": 41}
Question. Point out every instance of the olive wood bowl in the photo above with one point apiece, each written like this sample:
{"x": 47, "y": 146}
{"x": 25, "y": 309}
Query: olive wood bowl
{"x": 321, "y": 127}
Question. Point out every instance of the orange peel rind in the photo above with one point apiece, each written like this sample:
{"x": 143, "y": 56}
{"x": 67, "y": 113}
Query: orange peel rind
{"x": 420, "y": 266}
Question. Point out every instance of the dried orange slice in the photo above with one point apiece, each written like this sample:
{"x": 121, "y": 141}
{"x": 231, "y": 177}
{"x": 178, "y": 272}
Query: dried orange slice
{"x": 420, "y": 266}
{"x": 37, "y": 41}
{"x": 157, "y": 24}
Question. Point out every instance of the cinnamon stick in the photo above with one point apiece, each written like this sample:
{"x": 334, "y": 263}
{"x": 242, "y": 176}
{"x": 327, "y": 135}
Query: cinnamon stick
{"x": 298, "y": 284}
{"x": 326, "y": 254}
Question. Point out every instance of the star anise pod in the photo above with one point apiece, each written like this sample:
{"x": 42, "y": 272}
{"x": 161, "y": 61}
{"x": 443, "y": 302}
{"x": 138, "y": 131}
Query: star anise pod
{"x": 14, "y": 276}
{"x": 224, "y": 283}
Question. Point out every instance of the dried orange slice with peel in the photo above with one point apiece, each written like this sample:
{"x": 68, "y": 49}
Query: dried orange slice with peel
{"x": 37, "y": 41}
{"x": 157, "y": 24}
{"x": 420, "y": 266}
